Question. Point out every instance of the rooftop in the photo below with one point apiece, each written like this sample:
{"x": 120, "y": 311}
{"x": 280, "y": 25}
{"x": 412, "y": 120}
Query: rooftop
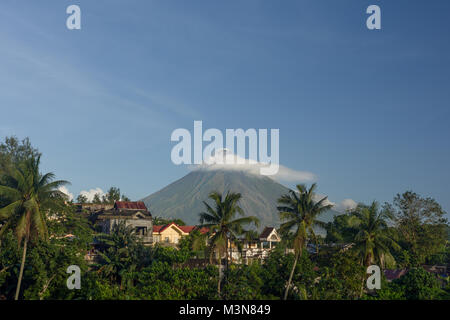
{"x": 130, "y": 205}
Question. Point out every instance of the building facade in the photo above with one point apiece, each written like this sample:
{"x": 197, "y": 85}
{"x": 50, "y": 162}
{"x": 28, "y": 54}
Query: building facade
{"x": 171, "y": 234}
{"x": 134, "y": 214}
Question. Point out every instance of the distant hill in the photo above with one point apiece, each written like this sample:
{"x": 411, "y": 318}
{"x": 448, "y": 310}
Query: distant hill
{"x": 183, "y": 198}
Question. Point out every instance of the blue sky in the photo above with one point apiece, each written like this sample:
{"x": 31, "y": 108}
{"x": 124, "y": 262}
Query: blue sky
{"x": 366, "y": 111}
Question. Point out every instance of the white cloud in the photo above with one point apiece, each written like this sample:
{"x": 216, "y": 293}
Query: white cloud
{"x": 343, "y": 206}
{"x": 91, "y": 193}
{"x": 346, "y": 204}
{"x": 318, "y": 197}
{"x": 66, "y": 191}
{"x": 226, "y": 160}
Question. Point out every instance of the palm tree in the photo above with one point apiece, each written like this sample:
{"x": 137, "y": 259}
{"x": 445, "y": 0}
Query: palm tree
{"x": 222, "y": 226}
{"x": 372, "y": 240}
{"x": 300, "y": 211}
{"x": 29, "y": 195}
{"x": 123, "y": 255}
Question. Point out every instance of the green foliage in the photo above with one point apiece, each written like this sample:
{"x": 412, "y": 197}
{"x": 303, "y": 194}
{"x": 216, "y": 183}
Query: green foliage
{"x": 275, "y": 273}
{"x": 172, "y": 256}
{"x": 417, "y": 284}
{"x": 96, "y": 288}
{"x": 420, "y": 224}
{"x": 389, "y": 291}
{"x": 27, "y": 197}
{"x": 373, "y": 241}
{"x": 342, "y": 229}
{"x": 341, "y": 277}
{"x": 223, "y": 227}
{"x": 97, "y": 199}
{"x": 82, "y": 199}
{"x": 111, "y": 196}
{"x": 9, "y": 265}
{"x": 367, "y": 228}
{"x": 243, "y": 283}
{"x": 45, "y": 272}
{"x": 161, "y": 281}
{"x": 28, "y": 193}
{"x": 13, "y": 151}
{"x": 221, "y": 221}
{"x": 299, "y": 211}
{"x": 158, "y": 221}
{"x": 123, "y": 257}
{"x": 276, "y": 270}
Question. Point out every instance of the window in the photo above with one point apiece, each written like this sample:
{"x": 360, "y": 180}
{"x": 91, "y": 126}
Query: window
{"x": 141, "y": 231}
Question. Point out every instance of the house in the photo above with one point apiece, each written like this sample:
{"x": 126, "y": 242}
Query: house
{"x": 104, "y": 216}
{"x": 394, "y": 274}
{"x": 438, "y": 271}
{"x": 170, "y": 234}
{"x": 269, "y": 237}
{"x": 256, "y": 249}
{"x": 134, "y": 214}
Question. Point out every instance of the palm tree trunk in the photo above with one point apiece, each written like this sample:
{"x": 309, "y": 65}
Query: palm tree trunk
{"x": 367, "y": 263}
{"x": 219, "y": 281}
{"x": 19, "y": 282}
{"x": 226, "y": 256}
{"x": 226, "y": 253}
{"x": 362, "y": 288}
{"x": 226, "y": 262}
{"x": 290, "y": 276}
{"x": 219, "y": 259}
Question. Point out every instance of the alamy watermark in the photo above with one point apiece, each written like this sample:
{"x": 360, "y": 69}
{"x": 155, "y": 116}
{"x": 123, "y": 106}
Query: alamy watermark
{"x": 373, "y": 22}
{"x": 74, "y": 280}
{"x": 189, "y": 149}
{"x": 374, "y": 281}
{"x": 73, "y": 22}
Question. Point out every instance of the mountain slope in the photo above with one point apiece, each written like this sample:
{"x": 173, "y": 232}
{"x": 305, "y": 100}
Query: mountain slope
{"x": 183, "y": 198}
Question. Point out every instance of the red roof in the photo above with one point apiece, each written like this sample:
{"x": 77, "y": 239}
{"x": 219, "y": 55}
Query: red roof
{"x": 161, "y": 228}
{"x": 130, "y": 205}
{"x": 189, "y": 229}
{"x": 157, "y": 228}
{"x": 186, "y": 229}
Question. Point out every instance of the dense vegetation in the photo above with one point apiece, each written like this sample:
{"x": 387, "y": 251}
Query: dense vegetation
{"x": 41, "y": 235}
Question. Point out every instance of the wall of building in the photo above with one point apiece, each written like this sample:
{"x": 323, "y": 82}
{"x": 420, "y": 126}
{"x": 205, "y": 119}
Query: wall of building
{"x": 169, "y": 235}
{"x": 134, "y": 223}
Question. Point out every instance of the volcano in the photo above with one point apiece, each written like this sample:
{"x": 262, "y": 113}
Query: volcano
{"x": 183, "y": 199}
